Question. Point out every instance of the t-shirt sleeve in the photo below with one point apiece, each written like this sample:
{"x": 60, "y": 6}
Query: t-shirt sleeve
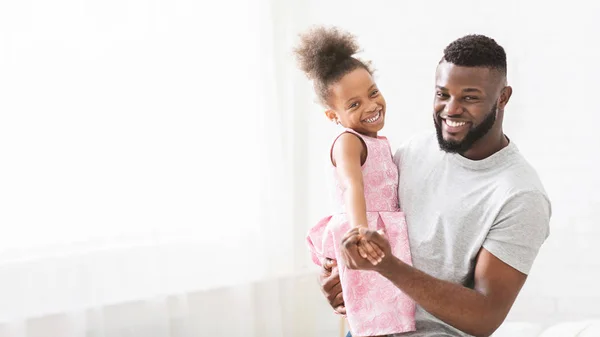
{"x": 520, "y": 229}
{"x": 397, "y": 157}
{"x": 400, "y": 152}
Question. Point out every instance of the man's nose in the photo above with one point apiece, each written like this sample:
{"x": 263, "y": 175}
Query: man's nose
{"x": 452, "y": 108}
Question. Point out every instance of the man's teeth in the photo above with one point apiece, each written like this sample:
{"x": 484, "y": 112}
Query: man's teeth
{"x": 454, "y": 124}
{"x": 374, "y": 118}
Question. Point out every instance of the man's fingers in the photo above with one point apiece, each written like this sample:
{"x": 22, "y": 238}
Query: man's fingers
{"x": 337, "y": 299}
{"x": 341, "y": 310}
{"x": 330, "y": 282}
{"x": 350, "y": 242}
{"x": 328, "y": 264}
{"x": 365, "y": 231}
{"x": 351, "y": 236}
{"x": 332, "y": 289}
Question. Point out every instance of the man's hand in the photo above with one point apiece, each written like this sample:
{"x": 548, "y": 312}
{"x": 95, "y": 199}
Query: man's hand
{"x": 329, "y": 279}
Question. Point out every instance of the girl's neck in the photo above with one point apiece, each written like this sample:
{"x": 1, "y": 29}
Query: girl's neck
{"x": 366, "y": 134}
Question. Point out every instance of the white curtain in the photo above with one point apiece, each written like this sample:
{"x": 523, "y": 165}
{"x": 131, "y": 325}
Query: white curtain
{"x": 149, "y": 170}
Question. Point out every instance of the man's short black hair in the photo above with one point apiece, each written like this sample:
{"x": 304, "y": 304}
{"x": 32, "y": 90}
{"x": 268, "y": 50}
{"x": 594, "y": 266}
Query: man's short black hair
{"x": 476, "y": 51}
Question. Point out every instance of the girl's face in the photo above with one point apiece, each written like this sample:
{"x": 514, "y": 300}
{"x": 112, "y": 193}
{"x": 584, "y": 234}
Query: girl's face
{"x": 356, "y": 103}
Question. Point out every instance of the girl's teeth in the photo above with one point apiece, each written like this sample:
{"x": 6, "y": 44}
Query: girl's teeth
{"x": 374, "y": 118}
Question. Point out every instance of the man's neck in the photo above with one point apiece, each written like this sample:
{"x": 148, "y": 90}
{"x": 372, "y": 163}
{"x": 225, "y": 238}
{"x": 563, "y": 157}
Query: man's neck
{"x": 487, "y": 146}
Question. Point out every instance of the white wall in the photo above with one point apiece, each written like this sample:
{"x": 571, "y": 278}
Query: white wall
{"x": 120, "y": 129}
{"x": 118, "y": 91}
{"x": 110, "y": 116}
{"x": 553, "y": 54}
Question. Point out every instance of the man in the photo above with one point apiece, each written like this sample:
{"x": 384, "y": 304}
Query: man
{"x": 477, "y": 212}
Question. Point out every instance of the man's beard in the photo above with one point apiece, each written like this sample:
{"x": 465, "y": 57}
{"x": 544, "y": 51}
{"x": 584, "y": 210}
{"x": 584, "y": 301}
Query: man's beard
{"x": 474, "y": 134}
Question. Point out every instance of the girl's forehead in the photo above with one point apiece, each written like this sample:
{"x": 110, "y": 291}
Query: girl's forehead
{"x": 358, "y": 81}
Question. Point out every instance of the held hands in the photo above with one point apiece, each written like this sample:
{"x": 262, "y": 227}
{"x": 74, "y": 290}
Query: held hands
{"x": 330, "y": 278}
{"x": 365, "y": 249}
{"x": 369, "y": 250}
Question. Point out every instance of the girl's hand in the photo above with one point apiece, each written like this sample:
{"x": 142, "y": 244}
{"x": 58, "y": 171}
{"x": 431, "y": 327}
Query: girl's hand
{"x": 369, "y": 250}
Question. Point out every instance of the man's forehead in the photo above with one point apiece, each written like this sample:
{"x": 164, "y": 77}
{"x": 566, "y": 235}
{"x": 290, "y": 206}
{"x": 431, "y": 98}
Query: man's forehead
{"x": 450, "y": 74}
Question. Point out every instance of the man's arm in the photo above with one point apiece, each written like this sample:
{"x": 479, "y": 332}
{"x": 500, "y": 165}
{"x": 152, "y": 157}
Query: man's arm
{"x": 478, "y": 311}
{"x": 507, "y": 254}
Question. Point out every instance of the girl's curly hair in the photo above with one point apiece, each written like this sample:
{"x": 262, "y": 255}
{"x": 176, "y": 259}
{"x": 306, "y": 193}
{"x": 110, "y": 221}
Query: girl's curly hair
{"x": 326, "y": 55}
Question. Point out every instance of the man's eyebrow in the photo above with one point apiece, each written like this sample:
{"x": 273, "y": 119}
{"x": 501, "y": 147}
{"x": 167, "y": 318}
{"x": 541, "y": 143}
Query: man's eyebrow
{"x": 464, "y": 90}
{"x": 471, "y": 90}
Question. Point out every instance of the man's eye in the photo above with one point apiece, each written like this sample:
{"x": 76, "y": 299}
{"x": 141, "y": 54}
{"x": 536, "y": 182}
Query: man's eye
{"x": 375, "y": 92}
{"x": 353, "y": 105}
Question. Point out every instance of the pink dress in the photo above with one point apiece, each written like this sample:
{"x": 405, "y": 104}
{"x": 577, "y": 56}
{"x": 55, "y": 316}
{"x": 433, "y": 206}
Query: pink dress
{"x": 374, "y": 306}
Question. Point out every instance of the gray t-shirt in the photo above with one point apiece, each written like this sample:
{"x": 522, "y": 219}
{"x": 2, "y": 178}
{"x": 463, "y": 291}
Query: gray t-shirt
{"x": 454, "y": 206}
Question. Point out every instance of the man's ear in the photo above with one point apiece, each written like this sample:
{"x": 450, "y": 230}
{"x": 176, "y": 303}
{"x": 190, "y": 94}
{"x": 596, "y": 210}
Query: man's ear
{"x": 504, "y": 97}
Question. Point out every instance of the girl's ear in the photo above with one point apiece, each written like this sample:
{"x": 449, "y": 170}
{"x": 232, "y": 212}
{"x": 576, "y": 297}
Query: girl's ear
{"x": 332, "y": 116}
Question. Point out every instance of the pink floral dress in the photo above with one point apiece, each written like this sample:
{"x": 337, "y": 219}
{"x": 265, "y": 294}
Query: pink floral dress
{"x": 374, "y": 306}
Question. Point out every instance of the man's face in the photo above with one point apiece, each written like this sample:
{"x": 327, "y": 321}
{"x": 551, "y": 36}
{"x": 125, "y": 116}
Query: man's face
{"x": 465, "y": 105}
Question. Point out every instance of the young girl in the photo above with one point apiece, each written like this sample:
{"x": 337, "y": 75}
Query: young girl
{"x": 366, "y": 181}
